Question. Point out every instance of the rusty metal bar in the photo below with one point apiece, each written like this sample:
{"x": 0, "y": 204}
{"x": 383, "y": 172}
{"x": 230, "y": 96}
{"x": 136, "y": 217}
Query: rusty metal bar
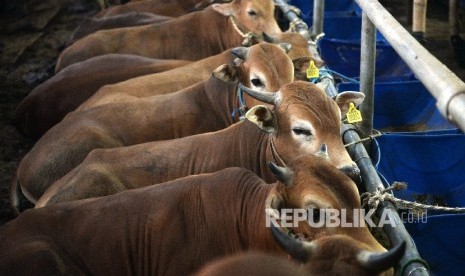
{"x": 419, "y": 16}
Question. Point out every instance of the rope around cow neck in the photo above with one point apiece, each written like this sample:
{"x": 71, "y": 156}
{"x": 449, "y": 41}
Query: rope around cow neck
{"x": 274, "y": 153}
{"x": 372, "y": 200}
{"x": 242, "y": 108}
{"x": 246, "y": 36}
{"x": 369, "y": 138}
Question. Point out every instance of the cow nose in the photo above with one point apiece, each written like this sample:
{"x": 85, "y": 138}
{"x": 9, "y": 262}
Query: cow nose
{"x": 353, "y": 172}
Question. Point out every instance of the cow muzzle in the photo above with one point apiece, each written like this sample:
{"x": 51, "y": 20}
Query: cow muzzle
{"x": 353, "y": 172}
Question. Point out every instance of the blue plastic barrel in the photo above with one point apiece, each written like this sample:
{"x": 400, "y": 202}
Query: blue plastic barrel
{"x": 433, "y": 165}
{"x": 340, "y": 49}
{"x": 403, "y": 106}
{"x": 306, "y": 6}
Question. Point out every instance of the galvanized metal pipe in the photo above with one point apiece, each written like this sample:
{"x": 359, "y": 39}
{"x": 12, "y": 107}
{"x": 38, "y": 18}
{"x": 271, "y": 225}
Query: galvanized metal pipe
{"x": 318, "y": 14}
{"x": 367, "y": 74}
{"x": 440, "y": 81}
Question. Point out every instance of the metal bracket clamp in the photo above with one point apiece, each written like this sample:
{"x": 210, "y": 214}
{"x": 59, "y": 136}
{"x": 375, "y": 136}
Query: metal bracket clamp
{"x": 447, "y": 101}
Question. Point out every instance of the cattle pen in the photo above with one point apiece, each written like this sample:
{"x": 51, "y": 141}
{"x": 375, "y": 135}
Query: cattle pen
{"x": 409, "y": 147}
{"x": 447, "y": 89}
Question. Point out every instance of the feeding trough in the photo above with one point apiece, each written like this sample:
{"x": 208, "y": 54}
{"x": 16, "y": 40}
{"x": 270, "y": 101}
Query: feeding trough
{"x": 340, "y": 49}
{"x": 432, "y": 164}
{"x": 403, "y": 105}
{"x": 335, "y": 6}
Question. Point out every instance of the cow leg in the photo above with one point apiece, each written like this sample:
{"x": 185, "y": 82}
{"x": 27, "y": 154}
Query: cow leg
{"x": 36, "y": 257}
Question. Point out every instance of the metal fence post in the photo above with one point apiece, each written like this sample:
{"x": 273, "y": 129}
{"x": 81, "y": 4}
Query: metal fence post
{"x": 318, "y": 14}
{"x": 367, "y": 74}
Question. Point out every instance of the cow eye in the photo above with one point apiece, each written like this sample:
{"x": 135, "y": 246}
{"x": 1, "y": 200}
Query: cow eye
{"x": 252, "y": 13}
{"x": 301, "y": 131}
{"x": 257, "y": 83}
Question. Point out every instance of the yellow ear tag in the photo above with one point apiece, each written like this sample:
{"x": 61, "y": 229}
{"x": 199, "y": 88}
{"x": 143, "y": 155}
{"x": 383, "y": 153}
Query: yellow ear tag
{"x": 353, "y": 115}
{"x": 312, "y": 71}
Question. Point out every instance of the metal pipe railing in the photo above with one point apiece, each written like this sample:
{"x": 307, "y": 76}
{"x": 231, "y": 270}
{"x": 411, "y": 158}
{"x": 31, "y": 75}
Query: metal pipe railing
{"x": 411, "y": 263}
{"x": 441, "y": 82}
{"x": 367, "y": 75}
{"x": 318, "y": 14}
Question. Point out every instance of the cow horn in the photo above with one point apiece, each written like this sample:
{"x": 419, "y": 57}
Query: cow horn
{"x": 240, "y": 52}
{"x": 323, "y": 152}
{"x": 377, "y": 262}
{"x": 282, "y": 173}
{"x": 266, "y": 97}
{"x": 268, "y": 38}
{"x": 298, "y": 250}
{"x": 286, "y": 47}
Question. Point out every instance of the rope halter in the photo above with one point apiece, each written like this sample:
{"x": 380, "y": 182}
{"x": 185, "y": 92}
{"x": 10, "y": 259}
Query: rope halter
{"x": 248, "y": 37}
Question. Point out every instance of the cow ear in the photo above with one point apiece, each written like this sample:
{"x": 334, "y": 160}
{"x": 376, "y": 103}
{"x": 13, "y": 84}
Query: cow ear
{"x": 301, "y": 64}
{"x": 227, "y": 73}
{"x": 263, "y": 117}
{"x": 300, "y": 68}
{"x": 224, "y": 9}
{"x": 344, "y": 99}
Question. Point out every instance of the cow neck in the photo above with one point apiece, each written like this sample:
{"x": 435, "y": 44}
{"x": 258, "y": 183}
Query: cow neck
{"x": 253, "y": 228}
{"x": 274, "y": 153}
{"x": 244, "y": 33}
{"x": 223, "y": 33}
{"x": 250, "y": 148}
{"x": 220, "y": 97}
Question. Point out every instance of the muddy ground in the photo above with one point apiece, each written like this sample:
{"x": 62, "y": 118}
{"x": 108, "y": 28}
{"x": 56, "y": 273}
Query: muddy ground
{"x": 32, "y": 34}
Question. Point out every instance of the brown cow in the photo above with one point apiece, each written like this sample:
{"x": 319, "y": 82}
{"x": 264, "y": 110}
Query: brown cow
{"x": 172, "y": 8}
{"x": 48, "y": 103}
{"x": 71, "y": 87}
{"x": 336, "y": 255}
{"x": 189, "y": 37}
{"x": 173, "y": 228}
{"x": 176, "y": 79}
{"x": 303, "y": 119}
{"x": 90, "y": 25}
{"x": 202, "y": 108}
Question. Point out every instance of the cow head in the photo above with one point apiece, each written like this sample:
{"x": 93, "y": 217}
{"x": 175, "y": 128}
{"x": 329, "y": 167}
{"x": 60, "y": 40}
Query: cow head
{"x": 339, "y": 255}
{"x": 298, "y": 42}
{"x": 303, "y": 119}
{"x": 313, "y": 185}
{"x": 262, "y": 67}
{"x": 299, "y": 53}
{"x": 255, "y": 15}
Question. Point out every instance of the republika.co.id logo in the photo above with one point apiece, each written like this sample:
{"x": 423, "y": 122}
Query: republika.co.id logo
{"x": 327, "y": 218}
